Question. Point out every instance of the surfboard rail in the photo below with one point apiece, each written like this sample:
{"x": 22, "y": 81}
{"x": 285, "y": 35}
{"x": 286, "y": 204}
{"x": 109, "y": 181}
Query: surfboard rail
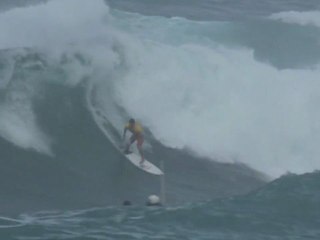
{"x": 146, "y": 166}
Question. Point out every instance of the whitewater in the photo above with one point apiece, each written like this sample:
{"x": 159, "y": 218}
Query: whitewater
{"x": 227, "y": 92}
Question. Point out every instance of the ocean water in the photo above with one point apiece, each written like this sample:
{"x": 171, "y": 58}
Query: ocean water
{"x": 228, "y": 94}
{"x": 287, "y": 208}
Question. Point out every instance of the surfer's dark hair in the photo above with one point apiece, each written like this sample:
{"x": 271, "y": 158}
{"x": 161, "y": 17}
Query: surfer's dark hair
{"x": 132, "y": 120}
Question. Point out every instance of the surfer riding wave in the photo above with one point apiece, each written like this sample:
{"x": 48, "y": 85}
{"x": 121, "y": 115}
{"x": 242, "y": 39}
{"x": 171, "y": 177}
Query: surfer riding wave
{"x": 137, "y": 135}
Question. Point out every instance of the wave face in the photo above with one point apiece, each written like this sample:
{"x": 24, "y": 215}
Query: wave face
{"x": 242, "y": 90}
{"x": 64, "y": 98}
{"x": 287, "y": 208}
{"x": 217, "y": 99}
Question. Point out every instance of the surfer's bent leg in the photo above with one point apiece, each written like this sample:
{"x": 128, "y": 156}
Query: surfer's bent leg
{"x": 132, "y": 139}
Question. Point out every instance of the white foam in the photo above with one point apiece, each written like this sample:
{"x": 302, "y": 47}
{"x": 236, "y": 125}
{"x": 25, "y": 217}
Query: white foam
{"x": 301, "y": 18}
{"x": 60, "y": 28}
{"x": 18, "y": 125}
{"x": 224, "y": 104}
{"x": 49, "y": 24}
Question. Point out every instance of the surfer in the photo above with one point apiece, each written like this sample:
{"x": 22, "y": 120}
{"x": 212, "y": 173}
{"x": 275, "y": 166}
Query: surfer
{"x": 137, "y": 135}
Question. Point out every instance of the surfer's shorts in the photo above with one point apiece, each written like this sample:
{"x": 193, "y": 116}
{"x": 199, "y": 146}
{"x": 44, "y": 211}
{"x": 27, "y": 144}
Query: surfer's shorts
{"x": 139, "y": 139}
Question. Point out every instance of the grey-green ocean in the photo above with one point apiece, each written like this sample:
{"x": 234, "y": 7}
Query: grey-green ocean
{"x": 287, "y": 208}
{"x": 227, "y": 92}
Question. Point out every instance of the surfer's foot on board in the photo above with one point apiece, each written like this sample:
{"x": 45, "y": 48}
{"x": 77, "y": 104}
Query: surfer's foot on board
{"x": 141, "y": 162}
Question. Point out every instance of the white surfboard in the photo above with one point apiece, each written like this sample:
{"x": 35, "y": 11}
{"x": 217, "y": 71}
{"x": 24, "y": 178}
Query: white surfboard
{"x": 146, "y": 166}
